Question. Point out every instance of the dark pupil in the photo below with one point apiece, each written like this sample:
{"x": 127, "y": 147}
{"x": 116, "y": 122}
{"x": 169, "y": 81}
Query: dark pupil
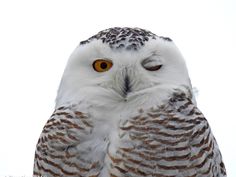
{"x": 103, "y": 65}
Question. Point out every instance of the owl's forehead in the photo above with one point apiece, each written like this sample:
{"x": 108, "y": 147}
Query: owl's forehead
{"x": 124, "y": 38}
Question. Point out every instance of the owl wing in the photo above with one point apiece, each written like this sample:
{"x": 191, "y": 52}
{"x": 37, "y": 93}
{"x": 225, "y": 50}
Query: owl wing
{"x": 57, "y": 152}
{"x": 169, "y": 140}
{"x": 205, "y": 156}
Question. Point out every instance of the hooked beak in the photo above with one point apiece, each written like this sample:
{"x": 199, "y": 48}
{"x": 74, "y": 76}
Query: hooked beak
{"x": 123, "y": 81}
{"x": 127, "y": 85}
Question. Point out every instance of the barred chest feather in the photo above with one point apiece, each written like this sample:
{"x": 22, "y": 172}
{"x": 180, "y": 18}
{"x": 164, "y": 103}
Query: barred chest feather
{"x": 173, "y": 139}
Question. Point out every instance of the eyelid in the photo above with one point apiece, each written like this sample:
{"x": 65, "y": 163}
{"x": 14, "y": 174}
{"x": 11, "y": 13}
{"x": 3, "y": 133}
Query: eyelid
{"x": 102, "y": 59}
{"x": 151, "y": 62}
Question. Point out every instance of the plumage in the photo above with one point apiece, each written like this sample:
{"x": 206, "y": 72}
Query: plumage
{"x": 136, "y": 118}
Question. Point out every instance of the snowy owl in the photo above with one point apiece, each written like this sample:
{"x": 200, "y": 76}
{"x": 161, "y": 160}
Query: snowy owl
{"x": 125, "y": 108}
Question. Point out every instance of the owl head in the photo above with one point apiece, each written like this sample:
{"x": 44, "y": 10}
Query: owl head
{"x": 123, "y": 66}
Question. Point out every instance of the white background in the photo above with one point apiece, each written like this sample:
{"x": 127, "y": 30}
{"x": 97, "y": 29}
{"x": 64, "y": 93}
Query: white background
{"x": 37, "y": 37}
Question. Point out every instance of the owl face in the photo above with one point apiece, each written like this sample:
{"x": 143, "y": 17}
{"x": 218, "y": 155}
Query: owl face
{"x": 122, "y": 64}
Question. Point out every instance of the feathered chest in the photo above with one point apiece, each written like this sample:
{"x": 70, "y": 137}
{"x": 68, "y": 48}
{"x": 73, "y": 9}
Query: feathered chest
{"x": 163, "y": 140}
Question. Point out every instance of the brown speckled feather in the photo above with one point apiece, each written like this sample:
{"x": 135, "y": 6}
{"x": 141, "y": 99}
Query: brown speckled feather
{"x": 164, "y": 141}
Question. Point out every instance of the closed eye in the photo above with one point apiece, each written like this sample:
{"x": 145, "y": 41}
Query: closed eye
{"x": 151, "y": 64}
{"x": 153, "y": 68}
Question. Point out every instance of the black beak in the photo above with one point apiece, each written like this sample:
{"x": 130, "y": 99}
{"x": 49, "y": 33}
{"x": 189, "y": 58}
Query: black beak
{"x": 127, "y": 86}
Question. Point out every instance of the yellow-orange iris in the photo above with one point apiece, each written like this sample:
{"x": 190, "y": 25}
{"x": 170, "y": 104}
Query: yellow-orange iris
{"x": 102, "y": 65}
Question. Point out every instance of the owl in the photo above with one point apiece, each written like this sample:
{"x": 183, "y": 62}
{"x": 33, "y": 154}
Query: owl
{"x": 125, "y": 108}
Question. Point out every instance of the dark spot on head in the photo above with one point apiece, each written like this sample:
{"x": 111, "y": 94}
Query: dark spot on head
{"x": 125, "y": 38}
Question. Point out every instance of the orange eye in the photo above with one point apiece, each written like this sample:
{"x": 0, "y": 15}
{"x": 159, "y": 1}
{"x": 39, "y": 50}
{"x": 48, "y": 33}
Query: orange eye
{"x": 102, "y": 65}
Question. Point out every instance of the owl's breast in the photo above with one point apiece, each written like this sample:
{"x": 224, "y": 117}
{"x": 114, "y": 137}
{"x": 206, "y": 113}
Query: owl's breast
{"x": 163, "y": 141}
